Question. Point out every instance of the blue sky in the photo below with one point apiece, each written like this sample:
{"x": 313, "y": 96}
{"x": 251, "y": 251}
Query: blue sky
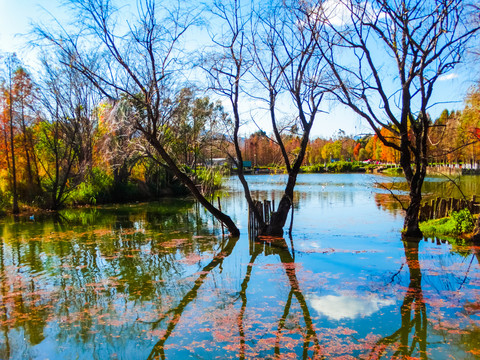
{"x": 16, "y": 16}
{"x": 15, "y": 19}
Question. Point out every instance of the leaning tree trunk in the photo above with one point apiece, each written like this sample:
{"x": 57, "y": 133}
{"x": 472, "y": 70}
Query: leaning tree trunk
{"x": 219, "y": 215}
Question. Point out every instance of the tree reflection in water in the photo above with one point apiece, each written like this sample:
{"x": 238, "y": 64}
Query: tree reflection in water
{"x": 280, "y": 249}
{"x": 158, "y": 350}
{"x": 414, "y": 322}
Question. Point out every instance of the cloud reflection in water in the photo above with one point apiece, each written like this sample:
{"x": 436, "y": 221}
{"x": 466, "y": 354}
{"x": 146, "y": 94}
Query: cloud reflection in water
{"x": 337, "y": 307}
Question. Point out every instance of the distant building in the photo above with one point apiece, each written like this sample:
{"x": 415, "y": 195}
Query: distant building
{"x": 247, "y": 167}
{"x": 216, "y": 162}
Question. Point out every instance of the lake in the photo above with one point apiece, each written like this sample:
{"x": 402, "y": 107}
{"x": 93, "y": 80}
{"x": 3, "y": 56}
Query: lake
{"x": 158, "y": 280}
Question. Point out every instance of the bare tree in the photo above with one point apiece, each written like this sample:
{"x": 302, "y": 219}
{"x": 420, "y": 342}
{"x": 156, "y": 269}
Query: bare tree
{"x": 287, "y": 60}
{"x": 137, "y": 61}
{"x": 274, "y": 49}
{"x": 226, "y": 67}
{"x": 68, "y": 104}
{"x": 386, "y": 59}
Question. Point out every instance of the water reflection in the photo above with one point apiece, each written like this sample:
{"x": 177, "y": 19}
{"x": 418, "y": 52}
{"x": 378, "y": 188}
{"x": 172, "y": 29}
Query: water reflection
{"x": 338, "y": 307}
{"x": 278, "y": 247}
{"x": 86, "y": 282}
{"x": 160, "y": 281}
{"x": 176, "y": 312}
{"x": 456, "y": 187}
{"x": 411, "y": 338}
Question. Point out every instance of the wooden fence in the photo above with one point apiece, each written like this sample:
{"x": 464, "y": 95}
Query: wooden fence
{"x": 265, "y": 210}
{"x": 441, "y": 207}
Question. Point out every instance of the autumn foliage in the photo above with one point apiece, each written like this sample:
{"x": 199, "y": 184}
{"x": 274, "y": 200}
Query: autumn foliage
{"x": 89, "y": 152}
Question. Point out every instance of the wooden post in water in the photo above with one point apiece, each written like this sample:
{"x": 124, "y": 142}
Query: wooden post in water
{"x": 456, "y": 204}
{"x": 450, "y": 205}
{"x": 443, "y": 208}
{"x": 432, "y": 209}
{"x": 265, "y": 210}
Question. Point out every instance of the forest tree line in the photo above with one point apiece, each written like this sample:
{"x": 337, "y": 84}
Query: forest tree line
{"x": 62, "y": 145}
{"x": 88, "y": 156}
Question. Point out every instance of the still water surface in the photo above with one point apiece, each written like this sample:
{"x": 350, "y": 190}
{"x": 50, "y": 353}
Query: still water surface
{"x": 159, "y": 280}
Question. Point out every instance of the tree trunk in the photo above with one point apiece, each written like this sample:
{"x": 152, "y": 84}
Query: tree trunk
{"x": 415, "y": 180}
{"x": 219, "y": 215}
{"x": 279, "y": 217}
{"x": 410, "y": 226}
{"x": 5, "y": 139}
{"x": 15, "y": 208}
{"x": 31, "y": 187}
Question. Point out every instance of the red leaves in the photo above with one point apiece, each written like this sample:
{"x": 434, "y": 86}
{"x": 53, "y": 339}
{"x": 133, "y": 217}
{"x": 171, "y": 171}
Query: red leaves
{"x": 476, "y": 132}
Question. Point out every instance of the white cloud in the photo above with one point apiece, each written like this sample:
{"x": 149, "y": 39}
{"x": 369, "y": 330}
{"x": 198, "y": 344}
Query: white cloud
{"x": 447, "y": 77}
{"x": 339, "y": 13}
{"x": 336, "y": 12}
{"x": 347, "y": 307}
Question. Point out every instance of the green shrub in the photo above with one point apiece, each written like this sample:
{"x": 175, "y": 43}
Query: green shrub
{"x": 443, "y": 226}
{"x": 459, "y": 222}
{"x": 393, "y": 171}
{"x": 96, "y": 187}
{"x": 210, "y": 178}
{"x": 340, "y": 167}
{"x": 335, "y": 167}
{"x": 463, "y": 221}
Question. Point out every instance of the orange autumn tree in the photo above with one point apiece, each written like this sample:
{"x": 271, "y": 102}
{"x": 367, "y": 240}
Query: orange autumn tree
{"x": 24, "y": 97}
{"x": 10, "y": 125}
{"x": 388, "y": 154}
{"x": 18, "y": 164}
